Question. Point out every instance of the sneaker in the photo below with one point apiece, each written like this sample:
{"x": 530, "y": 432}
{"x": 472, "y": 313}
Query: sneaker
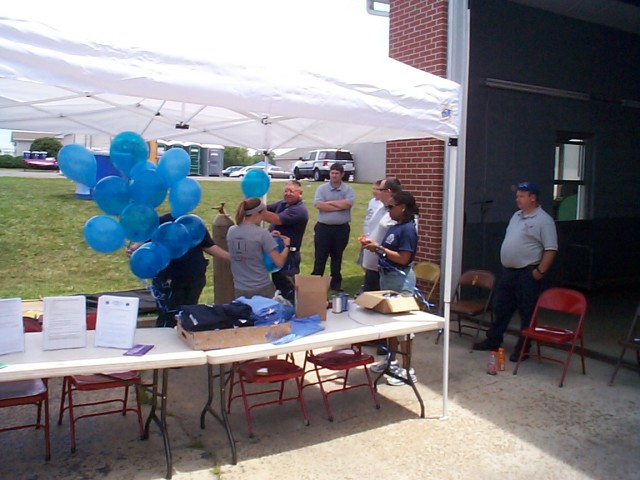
{"x": 485, "y": 346}
{"x": 380, "y": 367}
{"x": 401, "y": 372}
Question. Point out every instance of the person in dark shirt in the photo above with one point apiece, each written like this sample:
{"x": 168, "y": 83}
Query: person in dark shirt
{"x": 183, "y": 280}
{"x": 289, "y": 217}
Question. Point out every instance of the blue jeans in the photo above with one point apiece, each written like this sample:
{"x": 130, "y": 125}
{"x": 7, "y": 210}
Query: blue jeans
{"x": 399, "y": 281}
{"x": 283, "y": 278}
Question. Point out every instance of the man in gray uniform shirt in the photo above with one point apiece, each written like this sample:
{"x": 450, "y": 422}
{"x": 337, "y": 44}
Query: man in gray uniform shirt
{"x": 528, "y": 250}
{"x": 333, "y": 200}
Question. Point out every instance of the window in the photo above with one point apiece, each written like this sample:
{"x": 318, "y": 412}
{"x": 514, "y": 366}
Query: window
{"x": 569, "y": 190}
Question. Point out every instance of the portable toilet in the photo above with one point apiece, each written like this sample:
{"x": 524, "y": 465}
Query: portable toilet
{"x": 211, "y": 160}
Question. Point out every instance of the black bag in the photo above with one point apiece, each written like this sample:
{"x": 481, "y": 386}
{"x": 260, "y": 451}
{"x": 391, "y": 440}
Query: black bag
{"x": 198, "y": 318}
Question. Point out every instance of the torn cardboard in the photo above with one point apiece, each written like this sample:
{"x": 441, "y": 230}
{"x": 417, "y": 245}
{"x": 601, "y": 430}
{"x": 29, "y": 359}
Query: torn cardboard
{"x": 311, "y": 295}
{"x": 233, "y": 337}
{"x": 387, "y": 301}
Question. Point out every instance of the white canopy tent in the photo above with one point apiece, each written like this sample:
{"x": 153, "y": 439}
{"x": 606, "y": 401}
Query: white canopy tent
{"x": 53, "y": 80}
{"x": 50, "y": 80}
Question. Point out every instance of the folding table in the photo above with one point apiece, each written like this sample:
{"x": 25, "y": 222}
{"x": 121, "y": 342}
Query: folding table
{"x": 168, "y": 352}
{"x": 356, "y": 325}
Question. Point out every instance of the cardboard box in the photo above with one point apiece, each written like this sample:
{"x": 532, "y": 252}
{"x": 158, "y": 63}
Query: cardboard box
{"x": 387, "y": 301}
{"x": 233, "y": 337}
{"x": 311, "y": 295}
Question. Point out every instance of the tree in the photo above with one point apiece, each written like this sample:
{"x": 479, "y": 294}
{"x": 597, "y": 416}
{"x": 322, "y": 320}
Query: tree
{"x": 236, "y": 156}
{"x": 47, "y": 144}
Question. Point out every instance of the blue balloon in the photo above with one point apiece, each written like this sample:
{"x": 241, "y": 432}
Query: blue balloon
{"x": 78, "y": 164}
{"x": 128, "y": 149}
{"x": 174, "y": 237}
{"x": 112, "y": 195}
{"x": 195, "y": 226}
{"x": 184, "y": 196}
{"x": 148, "y": 188}
{"x": 140, "y": 166}
{"x": 255, "y": 183}
{"x": 174, "y": 165}
{"x": 139, "y": 222}
{"x": 103, "y": 234}
{"x": 268, "y": 263}
{"x": 148, "y": 260}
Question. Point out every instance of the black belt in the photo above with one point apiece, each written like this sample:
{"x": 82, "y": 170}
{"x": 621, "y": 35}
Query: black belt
{"x": 528, "y": 267}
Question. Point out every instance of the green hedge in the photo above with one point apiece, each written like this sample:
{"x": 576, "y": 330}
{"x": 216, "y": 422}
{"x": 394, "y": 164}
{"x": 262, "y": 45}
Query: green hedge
{"x": 9, "y": 161}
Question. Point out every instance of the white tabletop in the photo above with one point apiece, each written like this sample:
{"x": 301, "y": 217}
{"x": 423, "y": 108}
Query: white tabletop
{"x": 356, "y": 325}
{"x": 168, "y": 351}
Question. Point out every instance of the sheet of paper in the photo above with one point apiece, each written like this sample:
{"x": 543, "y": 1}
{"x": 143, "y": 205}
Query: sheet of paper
{"x": 11, "y": 328}
{"x": 117, "y": 321}
{"x": 64, "y": 323}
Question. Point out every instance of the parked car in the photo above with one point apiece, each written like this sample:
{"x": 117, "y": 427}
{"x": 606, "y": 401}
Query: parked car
{"x": 227, "y": 171}
{"x": 316, "y": 163}
{"x": 273, "y": 171}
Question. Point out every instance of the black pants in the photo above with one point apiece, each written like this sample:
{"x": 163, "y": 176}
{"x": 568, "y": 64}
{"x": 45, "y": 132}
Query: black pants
{"x": 283, "y": 278}
{"x": 171, "y": 294}
{"x": 515, "y": 290}
{"x": 371, "y": 281}
{"x": 330, "y": 241}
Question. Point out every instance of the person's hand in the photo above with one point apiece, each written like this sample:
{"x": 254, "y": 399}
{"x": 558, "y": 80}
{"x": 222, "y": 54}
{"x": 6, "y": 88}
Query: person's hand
{"x": 275, "y": 233}
{"x": 286, "y": 240}
{"x": 370, "y": 245}
{"x": 536, "y": 274}
{"x": 132, "y": 247}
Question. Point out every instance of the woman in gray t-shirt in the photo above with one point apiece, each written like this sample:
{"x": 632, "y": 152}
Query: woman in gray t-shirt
{"x": 247, "y": 241}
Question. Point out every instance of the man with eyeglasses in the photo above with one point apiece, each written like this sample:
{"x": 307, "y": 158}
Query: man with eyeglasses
{"x": 528, "y": 250}
{"x": 289, "y": 217}
{"x": 378, "y": 226}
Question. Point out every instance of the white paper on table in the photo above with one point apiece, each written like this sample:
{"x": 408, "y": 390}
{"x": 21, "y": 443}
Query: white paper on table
{"x": 11, "y": 327}
{"x": 117, "y": 321}
{"x": 64, "y": 322}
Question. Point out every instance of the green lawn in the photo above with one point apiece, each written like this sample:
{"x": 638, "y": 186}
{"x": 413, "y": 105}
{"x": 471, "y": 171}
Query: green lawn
{"x": 43, "y": 252}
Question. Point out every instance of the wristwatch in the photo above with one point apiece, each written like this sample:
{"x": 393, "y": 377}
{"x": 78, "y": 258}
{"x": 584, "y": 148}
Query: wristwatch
{"x": 380, "y": 252}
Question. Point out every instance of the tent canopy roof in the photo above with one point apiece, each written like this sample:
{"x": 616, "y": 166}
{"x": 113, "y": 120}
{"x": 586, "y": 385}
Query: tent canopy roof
{"x": 53, "y": 81}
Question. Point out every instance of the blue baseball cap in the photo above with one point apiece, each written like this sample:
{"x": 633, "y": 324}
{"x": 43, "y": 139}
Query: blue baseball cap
{"x": 527, "y": 187}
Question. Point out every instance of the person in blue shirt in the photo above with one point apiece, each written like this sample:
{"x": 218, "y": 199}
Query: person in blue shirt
{"x": 396, "y": 254}
{"x": 289, "y": 217}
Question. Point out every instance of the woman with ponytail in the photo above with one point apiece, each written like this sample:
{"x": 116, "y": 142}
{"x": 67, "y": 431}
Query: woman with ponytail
{"x": 247, "y": 242}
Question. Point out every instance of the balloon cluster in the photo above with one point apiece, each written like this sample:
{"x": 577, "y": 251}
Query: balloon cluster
{"x": 133, "y": 200}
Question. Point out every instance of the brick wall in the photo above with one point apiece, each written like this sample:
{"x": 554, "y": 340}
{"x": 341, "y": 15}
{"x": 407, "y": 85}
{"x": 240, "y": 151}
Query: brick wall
{"x": 418, "y": 37}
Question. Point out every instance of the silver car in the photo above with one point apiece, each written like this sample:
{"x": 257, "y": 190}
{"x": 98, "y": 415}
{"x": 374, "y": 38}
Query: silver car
{"x": 273, "y": 171}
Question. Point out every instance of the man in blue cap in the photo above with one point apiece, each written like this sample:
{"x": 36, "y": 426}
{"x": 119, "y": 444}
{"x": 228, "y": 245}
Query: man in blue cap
{"x": 528, "y": 250}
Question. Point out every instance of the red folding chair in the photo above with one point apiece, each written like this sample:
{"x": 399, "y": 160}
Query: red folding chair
{"x": 336, "y": 361}
{"x": 29, "y": 392}
{"x": 267, "y": 372}
{"x": 565, "y": 301}
{"x": 99, "y": 382}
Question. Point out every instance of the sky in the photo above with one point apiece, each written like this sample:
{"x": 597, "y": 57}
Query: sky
{"x": 303, "y": 27}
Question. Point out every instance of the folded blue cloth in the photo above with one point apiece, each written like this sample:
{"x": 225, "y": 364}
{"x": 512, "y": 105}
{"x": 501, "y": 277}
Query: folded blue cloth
{"x": 267, "y": 311}
{"x": 301, "y": 327}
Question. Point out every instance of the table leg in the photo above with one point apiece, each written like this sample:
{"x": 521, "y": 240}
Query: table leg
{"x": 407, "y": 363}
{"x": 408, "y": 353}
{"x": 223, "y": 418}
{"x": 162, "y": 420}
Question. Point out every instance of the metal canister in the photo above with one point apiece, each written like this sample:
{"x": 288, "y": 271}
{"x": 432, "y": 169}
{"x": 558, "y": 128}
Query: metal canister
{"x": 336, "y": 303}
{"x": 345, "y": 302}
{"x": 340, "y": 302}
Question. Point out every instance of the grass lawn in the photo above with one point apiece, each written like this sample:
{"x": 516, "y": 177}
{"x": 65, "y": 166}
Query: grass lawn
{"x": 43, "y": 251}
